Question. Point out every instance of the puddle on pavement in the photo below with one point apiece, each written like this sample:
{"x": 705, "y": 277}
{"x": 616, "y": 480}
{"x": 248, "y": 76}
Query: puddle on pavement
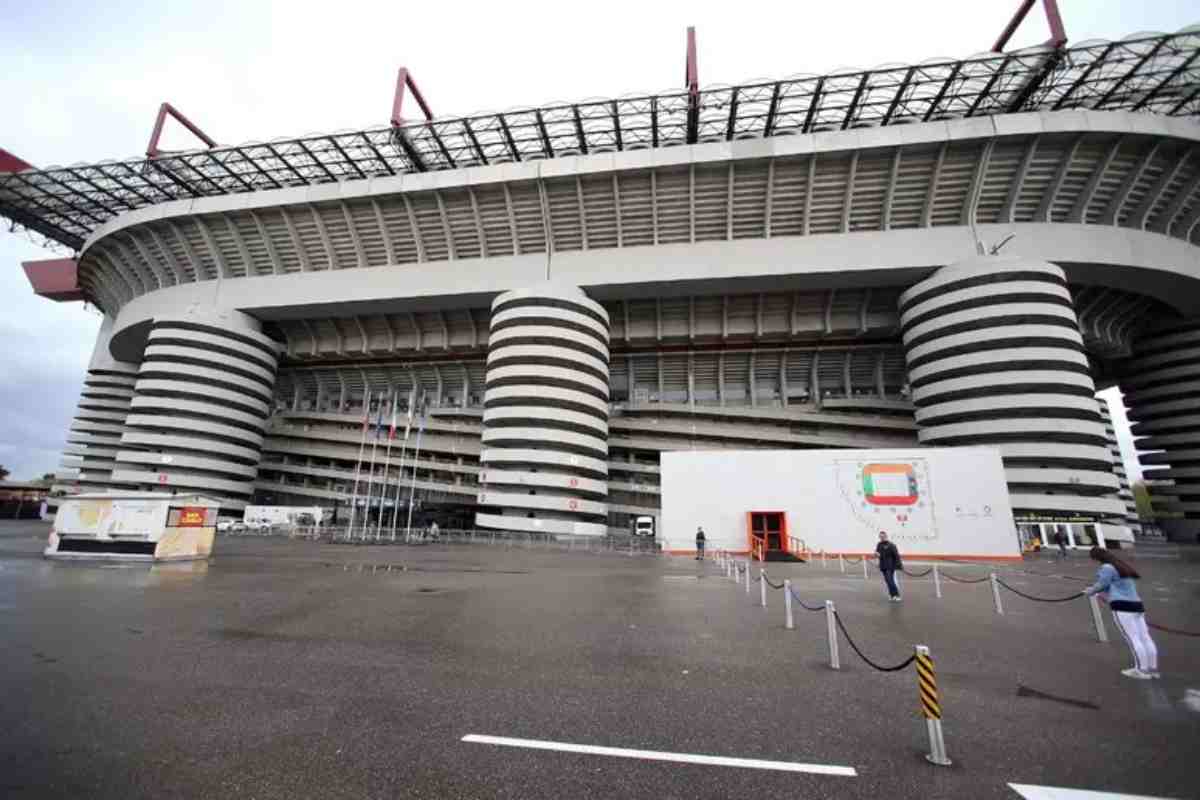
{"x": 375, "y": 569}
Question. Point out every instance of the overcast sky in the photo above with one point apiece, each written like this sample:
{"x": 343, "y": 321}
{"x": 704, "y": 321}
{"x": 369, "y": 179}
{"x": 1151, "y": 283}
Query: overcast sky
{"x": 82, "y": 81}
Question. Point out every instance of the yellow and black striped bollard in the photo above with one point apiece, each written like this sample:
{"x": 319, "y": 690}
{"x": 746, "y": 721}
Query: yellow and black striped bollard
{"x": 931, "y": 707}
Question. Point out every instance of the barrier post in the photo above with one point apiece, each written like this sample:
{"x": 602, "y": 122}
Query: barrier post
{"x": 937, "y": 582}
{"x": 996, "y": 593}
{"x": 864, "y": 560}
{"x": 823, "y": 558}
{"x": 842, "y": 563}
{"x": 747, "y": 576}
{"x": 787, "y": 603}
{"x": 762, "y": 588}
{"x": 831, "y": 627}
{"x": 931, "y": 707}
{"x": 1097, "y": 619}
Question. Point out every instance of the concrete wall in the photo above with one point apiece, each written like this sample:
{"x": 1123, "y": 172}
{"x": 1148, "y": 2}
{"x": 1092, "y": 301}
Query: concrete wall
{"x": 961, "y": 511}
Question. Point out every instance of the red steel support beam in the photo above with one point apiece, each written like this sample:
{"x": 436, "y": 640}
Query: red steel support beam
{"x": 152, "y": 150}
{"x": 691, "y": 80}
{"x": 55, "y": 279}
{"x": 11, "y": 163}
{"x": 1058, "y": 34}
{"x": 404, "y": 80}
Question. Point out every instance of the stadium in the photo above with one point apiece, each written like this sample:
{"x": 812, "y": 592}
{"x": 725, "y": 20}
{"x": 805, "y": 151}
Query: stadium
{"x": 949, "y": 253}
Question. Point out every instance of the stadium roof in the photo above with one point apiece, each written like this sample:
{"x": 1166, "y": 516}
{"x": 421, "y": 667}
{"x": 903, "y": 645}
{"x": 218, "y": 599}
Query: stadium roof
{"x": 1154, "y": 73}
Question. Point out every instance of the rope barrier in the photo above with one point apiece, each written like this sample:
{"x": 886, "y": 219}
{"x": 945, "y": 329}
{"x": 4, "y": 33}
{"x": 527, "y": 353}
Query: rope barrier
{"x": 950, "y": 577}
{"x": 850, "y": 560}
{"x": 1175, "y": 631}
{"x": 803, "y": 604}
{"x": 917, "y": 574}
{"x": 1018, "y": 593}
{"x": 837, "y": 618}
{"x": 772, "y": 585}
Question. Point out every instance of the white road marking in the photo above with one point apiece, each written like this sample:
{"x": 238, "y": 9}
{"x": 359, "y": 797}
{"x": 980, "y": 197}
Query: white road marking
{"x": 658, "y": 755}
{"x": 1031, "y": 792}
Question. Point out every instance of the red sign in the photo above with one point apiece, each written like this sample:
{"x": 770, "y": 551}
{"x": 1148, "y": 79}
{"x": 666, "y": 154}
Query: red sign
{"x": 192, "y": 517}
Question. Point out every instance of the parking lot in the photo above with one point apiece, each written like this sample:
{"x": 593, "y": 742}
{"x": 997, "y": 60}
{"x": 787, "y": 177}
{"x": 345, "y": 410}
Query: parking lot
{"x": 304, "y": 669}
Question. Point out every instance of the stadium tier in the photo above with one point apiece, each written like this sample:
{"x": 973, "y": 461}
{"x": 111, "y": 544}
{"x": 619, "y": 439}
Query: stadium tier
{"x": 525, "y": 309}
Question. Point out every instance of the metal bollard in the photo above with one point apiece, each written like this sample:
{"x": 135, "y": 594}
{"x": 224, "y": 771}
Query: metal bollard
{"x": 787, "y": 604}
{"x": 937, "y": 582}
{"x": 747, "y": 576}
{"x": 762, "y": 588}
{"x": 864, "y": 562}
{"x": 996, "y": 594}
{"x": 831, "y": 627}
{"x": 823, "y": 554}
{"x": 1097, "y": 620}
{"x": 842, "y": 563}
{"x": 931, "y": 707}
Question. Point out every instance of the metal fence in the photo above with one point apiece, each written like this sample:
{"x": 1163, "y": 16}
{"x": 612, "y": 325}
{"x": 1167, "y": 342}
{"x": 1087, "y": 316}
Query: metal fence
{"x": 631, "y": 545}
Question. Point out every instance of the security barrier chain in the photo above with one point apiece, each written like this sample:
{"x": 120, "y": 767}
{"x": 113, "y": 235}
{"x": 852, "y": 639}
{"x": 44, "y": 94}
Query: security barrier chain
{"x": 837, "y": 618}
{"x": 950, "y": 577}
{"x": 1019, "y": 593}
{"x": 803, "y": 604}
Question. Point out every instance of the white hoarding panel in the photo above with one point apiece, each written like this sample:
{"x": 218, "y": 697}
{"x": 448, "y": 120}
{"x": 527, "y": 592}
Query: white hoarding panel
{"x": 105, "y": 518}
{"x": 948, "y": 502}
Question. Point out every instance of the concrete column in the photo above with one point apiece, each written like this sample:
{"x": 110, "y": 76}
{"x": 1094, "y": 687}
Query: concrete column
{"x": 199, "y": 407}
{"x": 995, "y": 358}
{"x": 1161, "y": 383}
{"x": 99, "y": 421}
{"x": 545, "y": 420}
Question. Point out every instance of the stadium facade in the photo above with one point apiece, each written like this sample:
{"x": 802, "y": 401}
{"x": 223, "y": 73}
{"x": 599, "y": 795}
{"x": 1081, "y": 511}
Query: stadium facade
{"x": 951, "y": 253}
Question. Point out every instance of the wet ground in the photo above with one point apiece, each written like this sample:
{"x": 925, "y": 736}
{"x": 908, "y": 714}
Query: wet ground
{"x": 286, "y": 669}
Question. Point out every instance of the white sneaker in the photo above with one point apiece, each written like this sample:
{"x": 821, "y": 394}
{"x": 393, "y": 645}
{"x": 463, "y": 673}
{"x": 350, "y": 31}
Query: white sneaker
{"x": 1156, "y": 675}
{"x": 1136, "y": 674}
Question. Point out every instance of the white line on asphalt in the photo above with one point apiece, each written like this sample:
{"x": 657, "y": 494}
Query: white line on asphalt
{"x": 1030, "y": 792}
{"x": 657, "y": 755}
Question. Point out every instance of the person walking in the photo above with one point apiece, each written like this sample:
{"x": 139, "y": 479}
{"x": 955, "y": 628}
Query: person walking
{"x": 1115, "y": 580}
{"x": 889, "y": 562}
{"x": 700, "y": 540}
{"x": 1060, "y": 539}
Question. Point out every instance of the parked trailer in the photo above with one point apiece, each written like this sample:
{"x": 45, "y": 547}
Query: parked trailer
{"x": 256, "y": 517}
{"x": 133, "y": 527}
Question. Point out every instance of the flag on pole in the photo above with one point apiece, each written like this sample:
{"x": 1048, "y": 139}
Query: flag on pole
{"x": 412, "y": 402}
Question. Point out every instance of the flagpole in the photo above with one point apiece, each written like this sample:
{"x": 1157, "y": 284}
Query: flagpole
{"x": 371, "y": 475}
{"x": 399, "y": 484}
{"x": 387, "y": 462}
{"x": 413, "y": 489}
{"x": 412, "y": 401}
{"x": 362, "y": 444}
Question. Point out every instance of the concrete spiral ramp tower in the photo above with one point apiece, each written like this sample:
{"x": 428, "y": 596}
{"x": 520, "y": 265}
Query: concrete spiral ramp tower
{"x": 544, "y": 463}
{"x": 996, "y": 359}
{"x": 200, "y": 405}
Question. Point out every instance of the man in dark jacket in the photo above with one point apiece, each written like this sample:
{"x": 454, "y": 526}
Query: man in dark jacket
{"x": 700, "y": 540}
{"x": 889, "y": 562}
{"x": 1060, "y": 539}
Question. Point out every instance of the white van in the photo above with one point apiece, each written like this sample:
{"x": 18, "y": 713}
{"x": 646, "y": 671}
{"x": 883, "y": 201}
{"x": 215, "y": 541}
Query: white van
{"x": 643, "y": 526}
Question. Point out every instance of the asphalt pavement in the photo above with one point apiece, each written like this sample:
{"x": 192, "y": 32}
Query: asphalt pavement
{"x": 285, "y": 669}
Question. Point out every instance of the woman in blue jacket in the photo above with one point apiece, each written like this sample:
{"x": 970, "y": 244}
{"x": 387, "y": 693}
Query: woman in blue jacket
{"x": 1115, "y": 580}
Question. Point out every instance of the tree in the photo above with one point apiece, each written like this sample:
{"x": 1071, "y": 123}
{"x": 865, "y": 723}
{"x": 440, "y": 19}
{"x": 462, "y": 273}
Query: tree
{"x": 4, "y": 473}
{"x": 1141, "y": 496}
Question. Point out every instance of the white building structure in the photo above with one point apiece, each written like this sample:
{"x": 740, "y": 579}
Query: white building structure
{"x": 574, "y": 290}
